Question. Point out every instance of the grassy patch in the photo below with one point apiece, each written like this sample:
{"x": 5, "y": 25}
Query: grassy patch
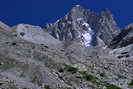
{"x": 111, "y": 86}
{"x": 7, "y": 66}
{"x": 89, "y": 77}
{"x": 131, "y": 83}
{"x": 71, "y": 69}
{"x": 47, "y": 87}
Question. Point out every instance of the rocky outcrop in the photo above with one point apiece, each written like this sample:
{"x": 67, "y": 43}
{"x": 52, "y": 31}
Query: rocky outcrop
{"x": 107, "y": 28}
{"x": 124, "y": 52}
{"x": 36, "y": 35}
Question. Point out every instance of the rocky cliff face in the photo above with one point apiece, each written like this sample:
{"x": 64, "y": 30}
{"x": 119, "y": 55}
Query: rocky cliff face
{"x": 83, "y": 50}
{"x": 122, "y": 43}
{"x": 108, "y": 28}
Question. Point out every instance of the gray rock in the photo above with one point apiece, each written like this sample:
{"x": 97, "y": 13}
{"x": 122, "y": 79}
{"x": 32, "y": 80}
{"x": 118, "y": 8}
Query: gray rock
{"x": 27, "y": 64}
{"x": 124, "y": 38}
{"x": 108, "y": 28}
{"x": 36, "y": 35}
{"x": 124, "y": 52}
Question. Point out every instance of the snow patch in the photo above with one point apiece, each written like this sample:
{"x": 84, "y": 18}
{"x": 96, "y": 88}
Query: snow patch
{"x": 87, "y": 38}
{"x": 86, "y": 33}
{"x": 85, "y": 24}
{"x": 79, "y": 19}
{"x": 77, "y": 5}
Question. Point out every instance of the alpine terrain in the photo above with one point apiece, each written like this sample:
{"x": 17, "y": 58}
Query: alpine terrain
{"x": 82, "y": 50}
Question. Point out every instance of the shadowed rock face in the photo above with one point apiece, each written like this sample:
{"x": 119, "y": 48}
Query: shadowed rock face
{"x": 124, "y": 52}
{"x": 79, "y": 21}
{"x": 123, "y": 39}
{"x": 107, "y": 29}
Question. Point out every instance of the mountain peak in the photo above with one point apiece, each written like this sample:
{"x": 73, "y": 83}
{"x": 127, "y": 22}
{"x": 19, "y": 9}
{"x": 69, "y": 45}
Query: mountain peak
{"x": 77, "y": 5}
{"x": 85, "y": 26}
{"x": 78, "y": 8}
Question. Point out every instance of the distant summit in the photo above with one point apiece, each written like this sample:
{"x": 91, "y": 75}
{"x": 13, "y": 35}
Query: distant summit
{"x": 4, "y": 26}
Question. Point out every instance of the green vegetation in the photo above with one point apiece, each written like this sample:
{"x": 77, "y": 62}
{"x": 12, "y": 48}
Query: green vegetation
{"x": 7, "y": 66}
{"x": 47, "y": 87}
{"x": 71, "y": 69}
{"x": 89, "y": 77}
{"x": 111, "y": 86}
{"x": 34, "y": 80}
{"x": 95, "y": 80}
{"x": 131, "y": 83}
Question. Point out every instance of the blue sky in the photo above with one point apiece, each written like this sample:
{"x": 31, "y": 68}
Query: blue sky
{"x": 40, "y": 12}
